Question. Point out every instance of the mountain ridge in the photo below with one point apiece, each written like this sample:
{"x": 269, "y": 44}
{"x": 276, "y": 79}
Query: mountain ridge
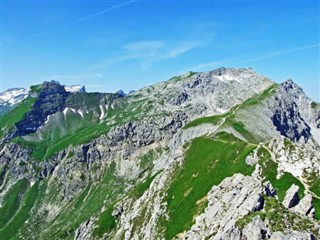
{"x": 149, "y": 164}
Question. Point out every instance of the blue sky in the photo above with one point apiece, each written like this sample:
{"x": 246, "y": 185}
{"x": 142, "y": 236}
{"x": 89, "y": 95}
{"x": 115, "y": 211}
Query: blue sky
{"x": 112, "y": 45}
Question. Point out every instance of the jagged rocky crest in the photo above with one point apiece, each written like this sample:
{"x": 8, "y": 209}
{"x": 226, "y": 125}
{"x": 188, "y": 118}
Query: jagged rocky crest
{"x": 225, "y": 154}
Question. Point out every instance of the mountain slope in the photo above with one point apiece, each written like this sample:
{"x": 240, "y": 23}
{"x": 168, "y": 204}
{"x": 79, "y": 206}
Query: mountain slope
{"x": 204, "y": 155}
{"x": 11, "y": 97}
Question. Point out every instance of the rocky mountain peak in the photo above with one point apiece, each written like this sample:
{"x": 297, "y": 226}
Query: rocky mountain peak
{"x": 121, "y": 93}
{"x": 290, "y": 86}
{"x": 220, "y": 71}
{"x": 220, "y": 148}
{"x": 52, "y": 87}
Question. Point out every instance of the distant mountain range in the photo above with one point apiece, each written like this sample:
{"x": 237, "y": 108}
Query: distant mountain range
{"x": 224, "y": 154}
{"x": 14, "y": 96}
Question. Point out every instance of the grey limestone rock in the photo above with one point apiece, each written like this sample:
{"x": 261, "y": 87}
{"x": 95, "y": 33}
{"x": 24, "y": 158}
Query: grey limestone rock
{"x": 256, "y": 230}
{"x": 235, "y": 197}
{"x": 294, "y": 235}
{"x": 173, "y": 103}
{"x": 305, "y": 206}
{"x": 292, "y": 198}
{"x": 84, "y": 232}
{"x": 269, "y": 190}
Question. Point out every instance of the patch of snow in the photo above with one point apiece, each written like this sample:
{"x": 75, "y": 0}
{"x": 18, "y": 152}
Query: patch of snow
{"x": 81, "y": 113}
{"x": 47, "y": 120}
{"x": 102, "y": 112}
{"x": 221, "y": 110}
{"x": 13, "y": 96}
{"x": 65, "y": 111}
{"x": 226, "y": 77}
{"x": 75, "y": 88}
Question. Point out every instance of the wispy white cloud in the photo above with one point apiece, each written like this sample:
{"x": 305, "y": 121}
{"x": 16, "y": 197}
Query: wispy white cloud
{"x": 181, "y": 49}
{"x": 242, "y": 59}
{"x": 120, "y": 5}
{"x": 280, "y": 53}
{"x": 112, "y": 8}
{"x": 148, "y": 52}
{"x": 173, "y": 52}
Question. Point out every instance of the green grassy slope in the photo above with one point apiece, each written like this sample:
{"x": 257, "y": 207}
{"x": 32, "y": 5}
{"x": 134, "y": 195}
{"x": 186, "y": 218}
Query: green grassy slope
{"x": 17, "y": 221}
{"x": 75, "y": 130}
{"x": 8, "y": 120}
{"x": 207, "y": 163}
{"x": 12, "y": 201}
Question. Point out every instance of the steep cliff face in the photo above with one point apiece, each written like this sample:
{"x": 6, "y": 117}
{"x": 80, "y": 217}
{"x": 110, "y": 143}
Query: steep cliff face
{"x": 51, "y": 99}
{"x": 203, "y": 155}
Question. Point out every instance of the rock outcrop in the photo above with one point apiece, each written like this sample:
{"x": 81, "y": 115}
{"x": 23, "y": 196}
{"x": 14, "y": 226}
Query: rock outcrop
{"x": 305, "y": 206}
{"x": 115, "y": 182}
{"x": 234, "y": 198}
{"x": 292, "y": 198}
{"x": 256, "y": 229}
{"x": 293, "y": 235}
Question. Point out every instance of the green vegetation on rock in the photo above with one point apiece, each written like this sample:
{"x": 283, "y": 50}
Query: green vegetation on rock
{"x": 229, "y": 118}
{"x": 314, "y": 183}
{"x": 278, "y": 218}
{"x": 8, "y": 120}
{"x": 205, "y": 165}
{"x": 270, "y": 171}
{"x": 87, "y": 203}
{"x": 106, "y": 221}
{"x": 316, "y": 205}
{"x": 11, "y": 201}
{"x": 212, "y": 120}
{"x": 36, "y": 88}
{"x": 314, "y": 104}
{"x": 22, "y": 214}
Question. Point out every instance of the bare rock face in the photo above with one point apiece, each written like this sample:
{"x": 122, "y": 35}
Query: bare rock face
{"x": 292, "y": 198}
{"x": 256, "y": 229}
{"x": 234, "y": 198}
{"x": 293, "y": 114}
{"x": 305, "y": 206}
{"x": 84, "y": 232}
{"x": 285, "y": 114}
{"x": 293, "y": 235}
{"x": 269, "y": 190}
{"x": 252, "y": 159}
{"x": 296, "y": 158}
{"x": 206, "y": 93}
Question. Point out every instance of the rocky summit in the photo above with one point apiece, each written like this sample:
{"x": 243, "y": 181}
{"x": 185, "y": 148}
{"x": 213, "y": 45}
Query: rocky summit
{"x": 225, "y": 154}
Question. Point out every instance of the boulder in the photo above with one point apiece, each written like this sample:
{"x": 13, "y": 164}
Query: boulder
{"x": 294, "y": 235}
{"x": 269, "y": 190}
{"x": 233, "y": 198}
{"x": 292, "y": 198}
{"x": 305, "y": 206}
{"x": 256, "y": 229}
